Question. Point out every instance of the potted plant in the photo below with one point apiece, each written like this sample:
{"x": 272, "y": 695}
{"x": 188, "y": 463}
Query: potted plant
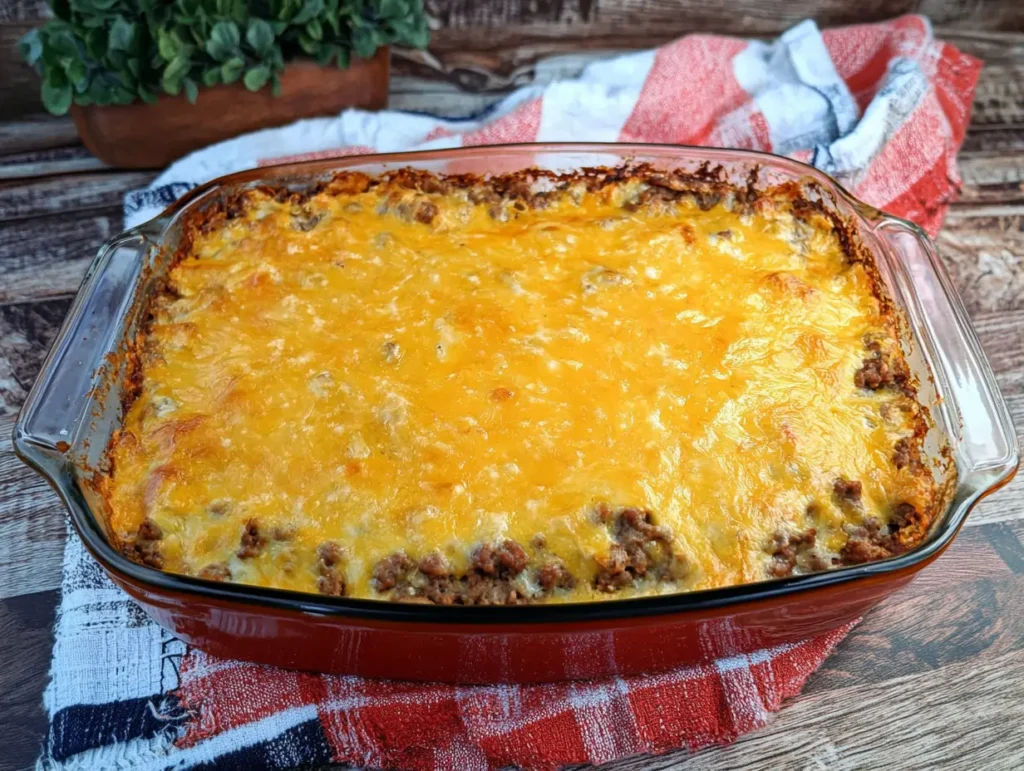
{"x": 147, "y": 81}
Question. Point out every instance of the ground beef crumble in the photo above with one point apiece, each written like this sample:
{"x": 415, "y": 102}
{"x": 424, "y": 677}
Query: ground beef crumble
{"x": 497, "y": 575}
{"x": 331, "y": 581}
{"x": 846, "y": 491}
{"x": 866, "y": 543}
{"x": 795, "y": 553}
{"x": 640, "y": 550}
{"x": 218, "y": 571}
{"x": 874, "y": 541}
{"x": 304, "y": 221}
{"x": 146, "y": 547}
{"x": 425, "y": 212}
{"x": 391, "y": 571}
{"x": 907, "y": 454}
{"x": 252, "y": 542}
{"x": 882, "y": 370}
{"x": 554, "y": 575}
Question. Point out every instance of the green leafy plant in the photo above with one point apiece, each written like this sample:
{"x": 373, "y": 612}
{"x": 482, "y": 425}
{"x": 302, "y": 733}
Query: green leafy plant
{"x": 120, "y": 51}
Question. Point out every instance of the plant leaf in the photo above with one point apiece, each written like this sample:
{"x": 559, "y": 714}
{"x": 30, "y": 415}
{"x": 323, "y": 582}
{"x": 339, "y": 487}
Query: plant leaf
{"x": 325, "y": 54}
{"x": 310, "y": 10}
{"x": 167, "y": 45}
{"x": 61, "y": 9}
{"x": 63, "y": 42}
{"x": 96, "y": 43}
{"x": 307, "y": 44}
{"x": 175, "y": 73}
{"x": 115, "y": 51}
{"x": 260, "y": 36}
{"x": 122, "y": 32}
{"x": 75, "y": 71}
{"x": 257, "y": 77}
{"x": 100, "y": 93}
{"x": 225, "y": 33}
{"x": 391, "y": 9}
{"x": 231, "y": 70}
{"x": 31, "y": 47}
{"x": 364, "y": 42}
{"x": 57, "y": 99}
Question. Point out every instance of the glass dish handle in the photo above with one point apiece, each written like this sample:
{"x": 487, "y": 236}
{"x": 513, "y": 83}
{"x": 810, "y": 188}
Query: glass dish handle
{"x": 987, "y": 452}
{"x": 57, "y": 407}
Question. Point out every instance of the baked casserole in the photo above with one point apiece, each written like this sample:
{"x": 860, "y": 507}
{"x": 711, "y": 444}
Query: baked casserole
{"x": 521, "y": 388}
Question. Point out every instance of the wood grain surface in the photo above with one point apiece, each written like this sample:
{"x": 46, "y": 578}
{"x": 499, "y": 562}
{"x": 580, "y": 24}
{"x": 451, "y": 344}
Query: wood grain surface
{"x": 932, "y": 678}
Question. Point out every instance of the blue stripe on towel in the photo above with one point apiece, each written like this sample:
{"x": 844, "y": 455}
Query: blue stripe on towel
{"x": 88, "y": 726}
{"x": 301, "y": 745}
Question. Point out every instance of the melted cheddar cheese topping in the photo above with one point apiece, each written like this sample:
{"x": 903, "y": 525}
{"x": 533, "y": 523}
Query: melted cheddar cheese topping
{"x": 357, "y": 369}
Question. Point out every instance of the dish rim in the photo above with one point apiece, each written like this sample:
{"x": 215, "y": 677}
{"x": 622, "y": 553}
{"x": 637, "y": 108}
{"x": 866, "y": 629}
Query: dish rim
{"x": 92, "y": 532}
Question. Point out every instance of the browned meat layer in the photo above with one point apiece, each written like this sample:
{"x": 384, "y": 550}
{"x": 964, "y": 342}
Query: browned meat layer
{"x": 253, "y": 540}
{"x": 305, "y": 220}
{"x": 145, "y": 549}
{"x": 494, "y": 577}
{"x": 847, "y": 492}
{"x": 874, "y": 541}
{"x": 329, "y": 558}
{"x": 641, "y": 550}
{"x": 218, "y": 571}
{"x": 795, "y": 553}
{"x": 907, "y": 453}
{"x": 880, "y": 370}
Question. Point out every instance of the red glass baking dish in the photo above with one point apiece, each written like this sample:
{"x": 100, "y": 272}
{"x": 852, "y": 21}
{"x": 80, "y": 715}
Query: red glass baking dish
{"x": 76, "y": 405}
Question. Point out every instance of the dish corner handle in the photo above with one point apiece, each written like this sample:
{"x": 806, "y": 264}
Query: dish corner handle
{"x": 48, "y": 427}
{"x": 985, "y": 446}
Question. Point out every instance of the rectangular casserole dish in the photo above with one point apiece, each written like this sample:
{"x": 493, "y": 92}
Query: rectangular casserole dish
{"x": 76, "y": 405}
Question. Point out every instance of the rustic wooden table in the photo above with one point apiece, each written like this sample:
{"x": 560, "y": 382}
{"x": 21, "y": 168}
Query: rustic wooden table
{"x": 934, "y": 677}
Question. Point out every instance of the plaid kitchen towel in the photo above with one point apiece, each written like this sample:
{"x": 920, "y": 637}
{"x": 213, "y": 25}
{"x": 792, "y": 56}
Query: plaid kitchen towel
{"x": 883, "y": 107}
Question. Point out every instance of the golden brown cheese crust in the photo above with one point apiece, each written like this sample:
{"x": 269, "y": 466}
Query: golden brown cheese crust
{"x": 524, "y": 388}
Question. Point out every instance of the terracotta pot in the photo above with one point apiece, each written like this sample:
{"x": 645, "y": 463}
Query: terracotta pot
{"x": 146, "y": 136}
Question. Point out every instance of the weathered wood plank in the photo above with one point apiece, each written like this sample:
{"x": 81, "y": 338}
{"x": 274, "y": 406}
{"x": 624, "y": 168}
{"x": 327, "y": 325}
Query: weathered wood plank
{"x": 36, "y": 132}
{"x": 24, "y": 10}
{"x": 68, "y": 152}
{"x": 983, "y": 253}
{"x": 917, "y": 631}
{"x": 990, "y": 178}
{"x": 26, "y": 331}
{"x": 50, "y": 168}
{"x": 580, "y": 17}
{"x": 32, "y": 529}
{"x": 19, "y": 85}
{"x": 55, "y": 195}
{"x": 26, "y": 631}
{"x": 999, "y": 98}
{"x": 47, "y": 256}
{"x": 504, "y": 48}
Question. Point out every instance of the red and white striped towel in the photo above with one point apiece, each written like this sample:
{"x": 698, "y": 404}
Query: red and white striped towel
{"x": 884, "y": 107}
